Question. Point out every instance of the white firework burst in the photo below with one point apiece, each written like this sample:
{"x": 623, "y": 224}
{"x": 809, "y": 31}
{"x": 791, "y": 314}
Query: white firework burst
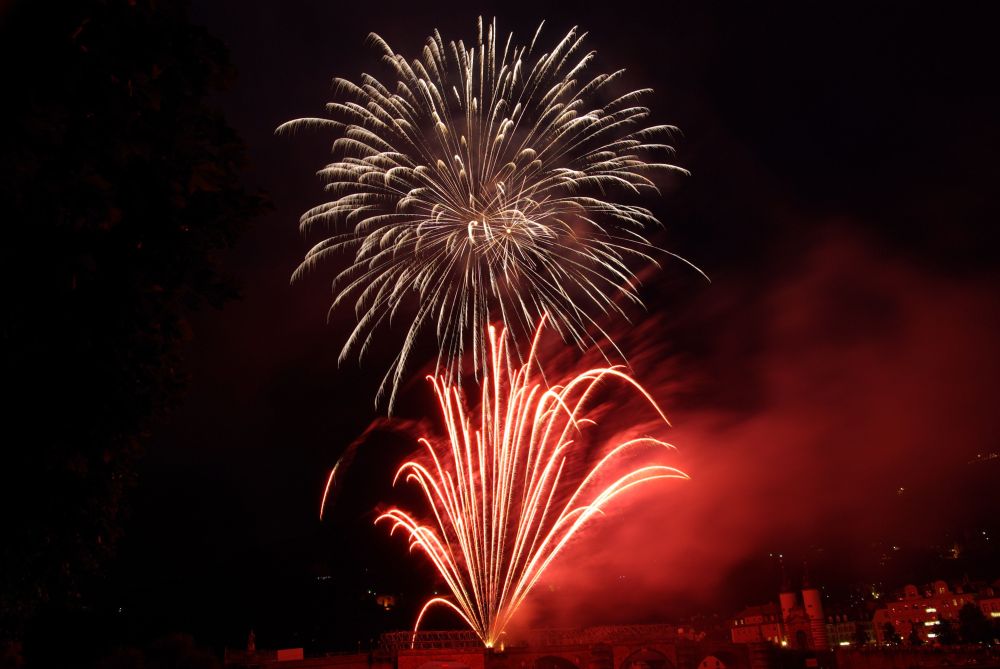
{"x": 490, "y": 182}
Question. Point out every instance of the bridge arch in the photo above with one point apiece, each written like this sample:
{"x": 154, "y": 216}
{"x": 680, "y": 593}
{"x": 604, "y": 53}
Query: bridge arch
{"x": 647, "y": 658}
{"x": 721, "y": 659}
{"x": 712, "y": 662}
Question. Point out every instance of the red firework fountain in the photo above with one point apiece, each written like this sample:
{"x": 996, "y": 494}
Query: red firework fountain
{"x": 504, "y": 494}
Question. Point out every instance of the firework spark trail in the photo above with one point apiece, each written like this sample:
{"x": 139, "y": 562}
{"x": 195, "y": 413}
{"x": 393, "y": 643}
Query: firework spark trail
{"x": 346, "y": 459}
{"x": 503, "y": 496}
{"x": 486, "y": 182}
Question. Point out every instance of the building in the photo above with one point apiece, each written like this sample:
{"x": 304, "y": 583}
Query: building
{"x": 758, "y": 623}
{"x": 916, "y": 615}
{"x": 843, "y": 629}
{"x": 797, "y": 622}
{"x": 988, "y": 598}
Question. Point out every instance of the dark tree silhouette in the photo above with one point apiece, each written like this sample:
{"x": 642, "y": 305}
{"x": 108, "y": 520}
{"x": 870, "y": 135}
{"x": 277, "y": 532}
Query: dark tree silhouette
{"x": 120, "y": 186}
{"x": 973, "y": 626}
{"x": 946, "y": 633}
{"x": 890, "y": 635}
{"x": 177, "y": 651}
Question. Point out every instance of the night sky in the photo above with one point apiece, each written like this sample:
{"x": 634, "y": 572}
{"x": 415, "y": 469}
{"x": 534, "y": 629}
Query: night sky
{"x": 830, "y": 389}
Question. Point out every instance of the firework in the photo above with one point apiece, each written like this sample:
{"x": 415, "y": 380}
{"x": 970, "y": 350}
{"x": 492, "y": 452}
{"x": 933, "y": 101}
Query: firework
{"x": 505, "y": 487}
{"x": 489, "y": 181}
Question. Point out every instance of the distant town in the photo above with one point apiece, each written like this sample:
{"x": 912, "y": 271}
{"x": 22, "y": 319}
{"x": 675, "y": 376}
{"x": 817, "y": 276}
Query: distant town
{"x": 933, "y": 614}
{"x": 927, "y": 625}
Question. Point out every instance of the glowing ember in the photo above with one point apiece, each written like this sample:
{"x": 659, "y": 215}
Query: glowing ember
{"x": 489, "y": 180}
{"x": 508, "y": 488}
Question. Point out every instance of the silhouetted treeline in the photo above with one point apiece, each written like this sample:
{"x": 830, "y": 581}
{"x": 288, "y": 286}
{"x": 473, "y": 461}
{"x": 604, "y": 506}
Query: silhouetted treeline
{"x": 120, "y": 185}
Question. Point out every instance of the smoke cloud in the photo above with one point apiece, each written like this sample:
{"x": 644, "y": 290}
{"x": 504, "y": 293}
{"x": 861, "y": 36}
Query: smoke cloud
{"x": 831, "y": 412}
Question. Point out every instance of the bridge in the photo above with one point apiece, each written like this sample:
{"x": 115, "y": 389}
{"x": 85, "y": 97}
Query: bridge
{"x": 604, "y": 647}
